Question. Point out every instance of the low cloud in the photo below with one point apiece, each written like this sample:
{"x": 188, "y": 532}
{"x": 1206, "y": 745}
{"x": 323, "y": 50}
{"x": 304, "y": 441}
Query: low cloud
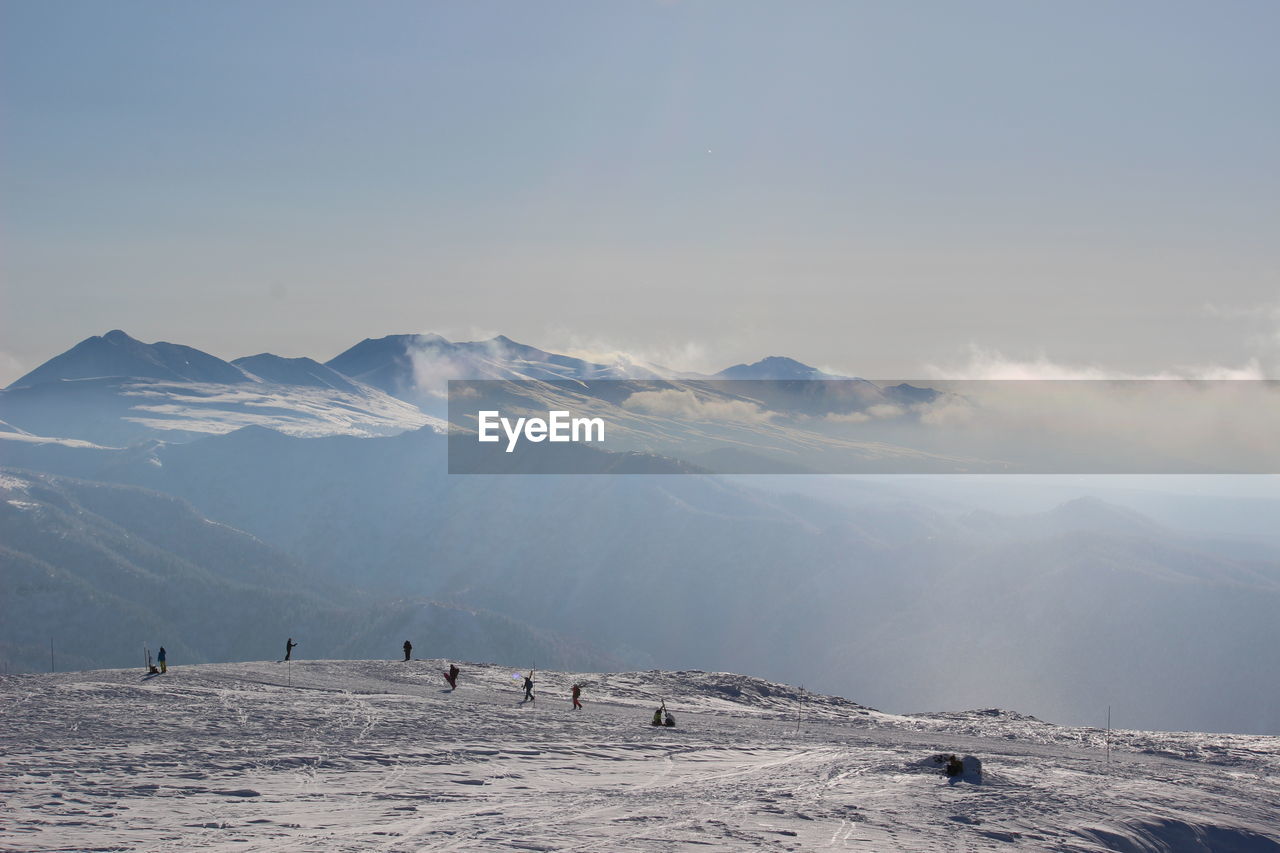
{"x": 847, "y": 418}
{"x": 983, "y": 363}
{"x": 671, "y": 360}
{"x": 688, "y": 406}
{"x": 1164, "y": 425}
{"x": 885, "y": 411}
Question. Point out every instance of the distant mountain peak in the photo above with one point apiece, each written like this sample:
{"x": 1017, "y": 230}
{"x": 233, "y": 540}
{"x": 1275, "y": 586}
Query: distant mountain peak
{"x": 117, "y": 354}
{"x": 294, "y": 371}
{"x": 775, "y": 367}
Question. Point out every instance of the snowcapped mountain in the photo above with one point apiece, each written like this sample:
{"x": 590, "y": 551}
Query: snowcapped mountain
{"x": 114, "y": 390}
{"x": 381, "y": 755}
{"x": 117, "y": 354}
{"x": 416, "y": 367}
{"x": 306, "y": 372}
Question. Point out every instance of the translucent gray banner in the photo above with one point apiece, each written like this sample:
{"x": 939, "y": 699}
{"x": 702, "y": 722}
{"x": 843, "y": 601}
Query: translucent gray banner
{"x": 859, "y": 426}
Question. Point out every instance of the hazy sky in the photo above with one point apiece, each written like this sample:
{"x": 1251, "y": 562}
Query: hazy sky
{"x": 869, "y": 187}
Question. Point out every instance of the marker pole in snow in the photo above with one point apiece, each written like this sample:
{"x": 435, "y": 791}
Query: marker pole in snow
{"x": 799, "y": 708}
{"x": 1108, "y": 735}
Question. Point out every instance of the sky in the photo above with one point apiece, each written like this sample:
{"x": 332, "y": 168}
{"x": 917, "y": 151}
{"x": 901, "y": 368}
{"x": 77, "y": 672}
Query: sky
{"x": 879, "y": 189}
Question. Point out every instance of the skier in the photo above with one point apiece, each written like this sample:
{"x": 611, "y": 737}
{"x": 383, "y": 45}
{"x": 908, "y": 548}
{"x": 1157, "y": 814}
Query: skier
{"x": 669, "y": 721}
{"x": 452, "y": 676}
{"x": 160, "y": 660}
{"x": 955, "y": 767}
{"x": 408, "y": 649}
{"x": 657, "y": 715}
{"x": 528, "y": 687}
{"x": 288, "y": 648}
{"x": 577, "y": 691}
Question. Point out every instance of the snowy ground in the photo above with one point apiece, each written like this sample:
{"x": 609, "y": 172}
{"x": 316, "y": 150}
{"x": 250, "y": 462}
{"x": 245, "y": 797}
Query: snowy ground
{"x": 373, "y": 755}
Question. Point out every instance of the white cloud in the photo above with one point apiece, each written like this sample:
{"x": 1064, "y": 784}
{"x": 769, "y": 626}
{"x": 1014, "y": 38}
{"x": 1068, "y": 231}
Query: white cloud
{"x": 983, "y": 363}
{"x": 847, "y": 418}
{"x": 680, "y": 357}
{"x": 885, "y": 411}
{"x": 688, "y": 406}
{"x": 947, "y": 411}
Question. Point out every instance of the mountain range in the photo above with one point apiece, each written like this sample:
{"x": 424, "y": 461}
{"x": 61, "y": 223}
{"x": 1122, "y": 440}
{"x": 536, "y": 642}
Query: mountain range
{"x": 308, "y": 519}
{"x": 116, "y": 391}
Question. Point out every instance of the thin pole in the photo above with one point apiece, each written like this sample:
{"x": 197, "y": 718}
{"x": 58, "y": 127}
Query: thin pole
{"x": 799, "y": 708}
{"x": 52, "y": 668}
{"x": 1108, "y": 735}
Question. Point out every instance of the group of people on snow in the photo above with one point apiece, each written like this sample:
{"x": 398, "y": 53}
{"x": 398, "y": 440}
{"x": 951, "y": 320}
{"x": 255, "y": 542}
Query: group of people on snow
{"x": 661, "y": 717}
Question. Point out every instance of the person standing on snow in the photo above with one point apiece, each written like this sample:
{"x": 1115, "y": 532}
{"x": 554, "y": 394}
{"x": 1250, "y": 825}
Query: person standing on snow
{"x": 528, "y": 687}
{"x": 408, "y": 649}
{"x": 577, "y": 691}
{"x": 452, "y": 676}
{"x": 288, "y": 648}
{"x": 160, "y": 660}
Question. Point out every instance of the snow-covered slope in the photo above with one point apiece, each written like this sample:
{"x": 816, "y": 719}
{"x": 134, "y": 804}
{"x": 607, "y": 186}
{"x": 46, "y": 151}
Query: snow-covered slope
{"x": 115, "y": 390}
{"x": 119, "y": 411}
{"x": 8, "y": 432}
{"x": 380, "y": 755}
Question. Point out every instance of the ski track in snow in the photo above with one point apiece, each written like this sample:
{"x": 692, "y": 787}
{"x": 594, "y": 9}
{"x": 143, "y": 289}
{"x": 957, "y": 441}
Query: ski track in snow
{"x": 373, "y": 755}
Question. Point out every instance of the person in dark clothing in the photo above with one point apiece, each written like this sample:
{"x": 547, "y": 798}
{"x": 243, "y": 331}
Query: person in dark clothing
{"x": 452, "y": 676}
{"x": 408, "y": 649}
{"x": 160, "y": 660}
{"x": 668, "y": 720}
{"x": 288, "y": 648}
{"x": 577, "y": 691}
{"x": 955, "y": 766}
{"x": 528, "y": 687}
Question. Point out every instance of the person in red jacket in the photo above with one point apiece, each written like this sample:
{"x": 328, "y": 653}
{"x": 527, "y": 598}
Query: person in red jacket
{"x": 577, "y": 691}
